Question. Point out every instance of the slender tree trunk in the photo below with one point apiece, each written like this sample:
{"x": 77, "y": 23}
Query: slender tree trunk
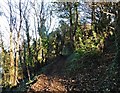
{"x": 93, "y": 15}
{"x": 3, "y": 59}
{"x": 26, "y": 71}
{"x": 21, "y": 61}
{"x": 76, "y": 22}
{"x": 71, "y": 24}
{"x": 12, "y": 70}
{"x": 18, "y": 43}
{"x": 17, "y": 58}
{"x": 42, "y": 62}
{"x": 71, "y": 28}
{"x": 76, "y": 19}
{"x": 28, "y": 48}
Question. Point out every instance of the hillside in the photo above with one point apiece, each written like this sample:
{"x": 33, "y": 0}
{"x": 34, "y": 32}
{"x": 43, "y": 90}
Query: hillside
{"x": 88, "y": 72}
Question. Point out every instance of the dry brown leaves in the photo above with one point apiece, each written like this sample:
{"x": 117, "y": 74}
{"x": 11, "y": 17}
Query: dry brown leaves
{"x": 46, "y": 84}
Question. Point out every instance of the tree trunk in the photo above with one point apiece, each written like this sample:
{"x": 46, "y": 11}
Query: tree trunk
{"x": 17, "y": 46}
{"x": 76, "y": 19}
{"x": 71, "y": 28}
{"x": 12, "y": 70}
{"x": 17, "y": 58}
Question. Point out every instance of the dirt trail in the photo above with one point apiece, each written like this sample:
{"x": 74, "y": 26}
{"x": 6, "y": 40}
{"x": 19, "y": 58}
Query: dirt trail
{"x": 55, "y": 69}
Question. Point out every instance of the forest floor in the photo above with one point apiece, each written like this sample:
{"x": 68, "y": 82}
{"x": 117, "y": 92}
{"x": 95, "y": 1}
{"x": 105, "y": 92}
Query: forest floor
{"x": 90, "y": 72}
{"x": 83, "y": 76}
